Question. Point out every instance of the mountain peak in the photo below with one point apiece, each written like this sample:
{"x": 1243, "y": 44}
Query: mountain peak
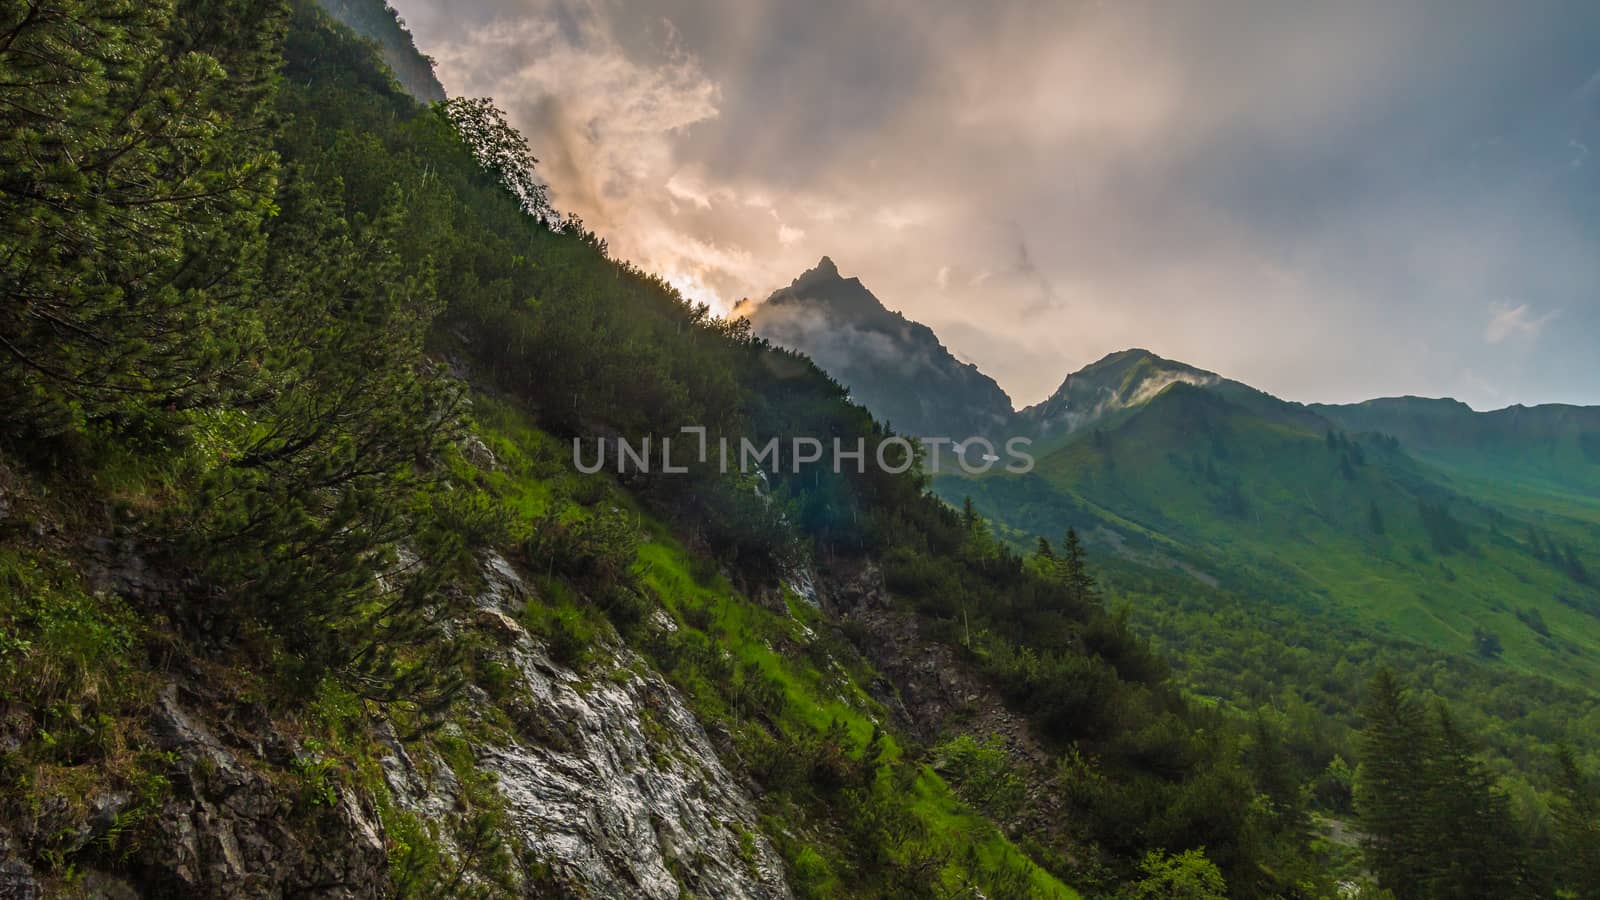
{"x": 1118, "y": 381}
{"x": 821, "y": 276}
{"x": 894, "y": 366}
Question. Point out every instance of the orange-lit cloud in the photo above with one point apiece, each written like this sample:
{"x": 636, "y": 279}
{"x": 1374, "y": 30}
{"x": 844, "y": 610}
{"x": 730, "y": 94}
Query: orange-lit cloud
{"x": 1321, "y": 199}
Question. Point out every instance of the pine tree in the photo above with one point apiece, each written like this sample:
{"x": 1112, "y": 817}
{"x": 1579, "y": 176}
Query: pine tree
{"x": 1275, "y": 779}
{"x": 1535, "y": 545}
{"x": 1045, "y": 551}
{"x": 1375, "y": 519}
{"x": 1576, "y": 811}
{"x": 1473, "y": 840}
{"x": 1392, "y": 789}
{"x": 133, "y": 182}
{"x": 304, "y": 524}
{"x": 969, "y": 515}
{"x": 1081, "y": 586}
{"x": 1574, "y": 566}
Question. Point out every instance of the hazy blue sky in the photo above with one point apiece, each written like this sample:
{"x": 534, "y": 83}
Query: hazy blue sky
{"x": 1330, "y": 201}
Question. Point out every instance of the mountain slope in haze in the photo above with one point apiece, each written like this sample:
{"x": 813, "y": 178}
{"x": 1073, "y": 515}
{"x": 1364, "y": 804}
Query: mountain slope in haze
{"x": 1412, "y": 518}
{"x": 895, "y": 367}
{"x": 380, "y": 23}
{"x": 1551, "y": 451}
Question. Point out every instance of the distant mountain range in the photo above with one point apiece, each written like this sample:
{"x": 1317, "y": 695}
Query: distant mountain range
{"x": 1411, "y": 518}
{"x": 899, "y": 370}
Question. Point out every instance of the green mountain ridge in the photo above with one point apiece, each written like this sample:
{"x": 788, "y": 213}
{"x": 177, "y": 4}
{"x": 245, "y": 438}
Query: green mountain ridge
{"x": 1555, "y": 447}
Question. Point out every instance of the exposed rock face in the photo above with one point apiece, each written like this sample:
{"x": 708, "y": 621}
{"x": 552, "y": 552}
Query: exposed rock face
{"x": 230, "y": 833}
{"x": 621, "y": 793}
{"x": 608, "y": 780}
{"x": 16, "y": 876}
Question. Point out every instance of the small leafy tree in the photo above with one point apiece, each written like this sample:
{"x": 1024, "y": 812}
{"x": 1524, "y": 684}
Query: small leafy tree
{"x": 983, "y": 774}
{"x": 503, "y": 153}
{"x": 1186, "y": 876}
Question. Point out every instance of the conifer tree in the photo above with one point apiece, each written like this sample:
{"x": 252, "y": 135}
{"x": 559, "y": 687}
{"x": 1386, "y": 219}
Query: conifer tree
{"x": 1392, "y": 789}
{"x": 969, "y": 515}
{"x": 1275, "y": 778}
{"x": 1576, "y": 811}
{"x": 133, "y": 181}
{"x": 327, "y": 524}
{"x": 1081, "y": 586}
{"x": 1471, "y": 836}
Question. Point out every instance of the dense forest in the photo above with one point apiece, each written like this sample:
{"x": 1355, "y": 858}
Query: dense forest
{"x": 266, "y": 318}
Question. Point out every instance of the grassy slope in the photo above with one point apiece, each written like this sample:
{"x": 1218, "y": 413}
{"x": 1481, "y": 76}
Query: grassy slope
{"x": 818, "y": 689}
{"x": 1303, "y": 533}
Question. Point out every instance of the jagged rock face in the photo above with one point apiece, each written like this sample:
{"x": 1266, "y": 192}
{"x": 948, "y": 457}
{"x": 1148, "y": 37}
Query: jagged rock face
{"x": 622, "y": 794}
{"x": 609, "y": 781}
{"x": 228, "y": 834}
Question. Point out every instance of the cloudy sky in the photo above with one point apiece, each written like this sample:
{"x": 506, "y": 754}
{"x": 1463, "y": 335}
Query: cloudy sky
{"x": 1330, "y": 201}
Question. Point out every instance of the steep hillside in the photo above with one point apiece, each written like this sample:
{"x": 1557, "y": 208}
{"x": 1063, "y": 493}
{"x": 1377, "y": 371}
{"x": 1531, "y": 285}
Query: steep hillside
{"x": 1473, "y": 535}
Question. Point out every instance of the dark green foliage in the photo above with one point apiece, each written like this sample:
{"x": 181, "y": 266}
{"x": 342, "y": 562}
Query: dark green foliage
{"x": 1444, "y": 530}
{"x": 1393, "y": 787}
{"x": 1486, "y": 643}
{"x": 1480, "y": 850}
{"x": 1573, "y": 566}
{"x": 1075, "y": 571}
{"x": 1534, "y": 620}
{"x": 134, "y": 180}
{"x": 1577, "y": 827}
{"x": 1437, "y": 825}
{"x": 1144, "y": 769}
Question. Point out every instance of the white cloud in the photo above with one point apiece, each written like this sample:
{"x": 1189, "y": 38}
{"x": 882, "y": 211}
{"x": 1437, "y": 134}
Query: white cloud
{"x": 788, "y": 235}
{"x": 1520, "y": 322}
{"x": 688, "y": 190}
